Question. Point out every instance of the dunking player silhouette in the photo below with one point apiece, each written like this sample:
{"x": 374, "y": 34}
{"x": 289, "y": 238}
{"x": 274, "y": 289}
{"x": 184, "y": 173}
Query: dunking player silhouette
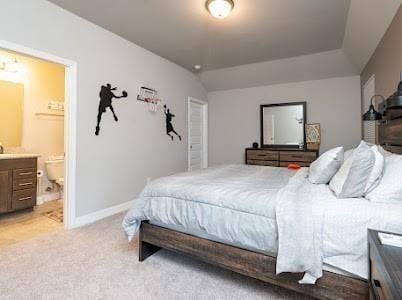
{"x": 106, "y": 97}
{"x": 169, "y": 126}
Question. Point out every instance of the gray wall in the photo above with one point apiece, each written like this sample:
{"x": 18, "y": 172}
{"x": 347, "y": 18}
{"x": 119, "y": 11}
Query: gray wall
{"x": 234, "y": 119}
{"x": 386, "y": 62}
{"x": 111, "y": 168}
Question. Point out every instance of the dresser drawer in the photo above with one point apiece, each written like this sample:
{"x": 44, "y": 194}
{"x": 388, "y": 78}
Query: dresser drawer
{"x": 23, "y": 199}
{"x": 262, "y": 155}
{"x": 24, "y": 173}
{"x": 22, "y": 184}
{"x": 272, "y": 163}
{"x": 298, "y": 156}
{"x": 378, "y": 285}
{"x": 300, "y": 163}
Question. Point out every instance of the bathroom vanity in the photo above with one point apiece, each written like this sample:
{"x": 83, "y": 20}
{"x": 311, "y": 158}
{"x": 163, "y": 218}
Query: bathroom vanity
{"x": 18, "y": 184}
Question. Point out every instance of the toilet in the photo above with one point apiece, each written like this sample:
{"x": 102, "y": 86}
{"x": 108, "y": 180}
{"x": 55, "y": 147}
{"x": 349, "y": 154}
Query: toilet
{"x": 55, "y": 170}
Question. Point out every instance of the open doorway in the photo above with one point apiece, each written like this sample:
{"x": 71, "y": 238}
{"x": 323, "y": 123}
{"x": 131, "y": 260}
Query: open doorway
{"x": 37, "y": 91}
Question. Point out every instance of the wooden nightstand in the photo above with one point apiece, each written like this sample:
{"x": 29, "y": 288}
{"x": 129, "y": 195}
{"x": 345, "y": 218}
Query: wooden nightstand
{"x": 385, "y": 269}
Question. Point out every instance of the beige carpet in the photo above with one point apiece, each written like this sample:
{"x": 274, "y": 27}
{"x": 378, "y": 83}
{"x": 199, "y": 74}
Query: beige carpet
{"x": 96, "y": 262}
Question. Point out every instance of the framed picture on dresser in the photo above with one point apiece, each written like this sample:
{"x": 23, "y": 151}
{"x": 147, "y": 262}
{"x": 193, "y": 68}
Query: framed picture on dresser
{"x": 313, "y": 136}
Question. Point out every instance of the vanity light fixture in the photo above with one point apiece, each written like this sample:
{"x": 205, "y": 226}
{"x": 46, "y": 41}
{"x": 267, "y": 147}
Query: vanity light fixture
{"x": 219, "y": 8}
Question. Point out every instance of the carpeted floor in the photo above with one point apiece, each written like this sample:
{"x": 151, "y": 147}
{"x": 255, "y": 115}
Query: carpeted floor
{"x": 97, "y": 262}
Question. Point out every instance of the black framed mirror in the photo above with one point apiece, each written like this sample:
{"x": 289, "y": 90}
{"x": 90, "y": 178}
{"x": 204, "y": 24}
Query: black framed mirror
{"x": 283, "y": 125}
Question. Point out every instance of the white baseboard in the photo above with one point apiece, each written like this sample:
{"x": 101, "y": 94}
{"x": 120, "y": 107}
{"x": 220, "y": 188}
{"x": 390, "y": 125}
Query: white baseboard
{"x": 101, "y": 214}
{"x": 47, "y": 197}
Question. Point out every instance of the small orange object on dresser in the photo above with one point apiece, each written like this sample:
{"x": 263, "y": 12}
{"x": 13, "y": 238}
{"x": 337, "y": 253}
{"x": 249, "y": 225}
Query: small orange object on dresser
{"x": 293, "y": 167}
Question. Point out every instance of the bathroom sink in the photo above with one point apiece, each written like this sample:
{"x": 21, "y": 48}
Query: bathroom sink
{"x": 17, "y": 155}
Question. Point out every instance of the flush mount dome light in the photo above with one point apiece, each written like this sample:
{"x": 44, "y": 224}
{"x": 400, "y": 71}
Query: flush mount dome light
{"x": 219, "y": 8}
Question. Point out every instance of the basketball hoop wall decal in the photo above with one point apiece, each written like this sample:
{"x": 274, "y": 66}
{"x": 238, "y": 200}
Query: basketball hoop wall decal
{"x": 169, "y": 125}
{"x": 149, "y": 96}
{"x": 106, "y": 96}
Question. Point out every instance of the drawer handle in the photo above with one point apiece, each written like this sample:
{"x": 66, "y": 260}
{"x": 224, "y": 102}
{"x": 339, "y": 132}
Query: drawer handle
{"x": 25, "y": 184}
{"x": 377, "y": 283}
{"x": 25, "y": 198}
{"x": 25, "y": 173}
{"x": 261, "y": 155}
{"x": 376, "y": 286}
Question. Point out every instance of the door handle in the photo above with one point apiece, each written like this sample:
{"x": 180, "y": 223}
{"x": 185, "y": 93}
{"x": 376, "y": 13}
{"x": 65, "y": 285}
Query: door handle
{"x": 25, "y": 184}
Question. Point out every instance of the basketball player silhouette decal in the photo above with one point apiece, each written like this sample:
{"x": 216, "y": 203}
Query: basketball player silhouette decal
{"x": 106, "y": 97}
{"x": 169, "y": 126}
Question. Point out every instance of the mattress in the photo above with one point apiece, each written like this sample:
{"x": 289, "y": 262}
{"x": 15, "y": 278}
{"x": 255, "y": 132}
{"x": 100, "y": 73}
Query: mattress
{"x": 235, "y": 203}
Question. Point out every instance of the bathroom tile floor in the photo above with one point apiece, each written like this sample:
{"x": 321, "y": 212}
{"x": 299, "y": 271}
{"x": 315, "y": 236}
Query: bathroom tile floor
{"x": 27, "y": 224}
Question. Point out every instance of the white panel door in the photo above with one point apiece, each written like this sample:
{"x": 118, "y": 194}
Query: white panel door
{"x": 369, "y": 127}
{"x": 196, "y": 136}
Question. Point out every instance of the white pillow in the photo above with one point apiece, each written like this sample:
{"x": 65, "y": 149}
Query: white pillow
{"x": 348, "y": 154}
{"x": 324, "y": 168}
{"x": 352, "y": 178}
{"x": 376, "y": 172}
{"x": 389, "y": 190}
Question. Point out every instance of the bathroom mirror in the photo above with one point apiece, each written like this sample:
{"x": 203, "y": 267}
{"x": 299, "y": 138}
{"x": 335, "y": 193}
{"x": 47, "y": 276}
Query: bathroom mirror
{"x": 283, "y": 125}
{"x": 11, "y": 110}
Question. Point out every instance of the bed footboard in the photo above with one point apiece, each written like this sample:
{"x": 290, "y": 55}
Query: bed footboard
{"x": 249, "y": 263}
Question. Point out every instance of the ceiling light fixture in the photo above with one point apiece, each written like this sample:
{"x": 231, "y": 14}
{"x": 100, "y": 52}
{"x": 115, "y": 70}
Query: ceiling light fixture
{"x": 219, "y": 8}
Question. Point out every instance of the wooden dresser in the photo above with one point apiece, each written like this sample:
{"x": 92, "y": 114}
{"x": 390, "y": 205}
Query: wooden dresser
{"x": 279, "y": 157}
{"x": 17, "y": 184}
{"x": 385, "y": 269}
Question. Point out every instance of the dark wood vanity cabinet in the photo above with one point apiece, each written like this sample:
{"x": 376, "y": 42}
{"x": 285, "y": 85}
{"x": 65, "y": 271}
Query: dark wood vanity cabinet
{"x": 279, "y": 157}
{"x": 17, "y": 184}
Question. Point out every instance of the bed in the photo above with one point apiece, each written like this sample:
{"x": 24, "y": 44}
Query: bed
{"x": 257, "y": 221}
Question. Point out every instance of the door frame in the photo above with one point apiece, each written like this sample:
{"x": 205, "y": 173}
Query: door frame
{"x": 204, "y": 131}
{"x": 70, "y": 125}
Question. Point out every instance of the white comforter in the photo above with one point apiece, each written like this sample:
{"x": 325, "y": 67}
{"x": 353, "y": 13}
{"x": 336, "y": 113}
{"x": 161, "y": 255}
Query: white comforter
{"x": 271, "y": 210}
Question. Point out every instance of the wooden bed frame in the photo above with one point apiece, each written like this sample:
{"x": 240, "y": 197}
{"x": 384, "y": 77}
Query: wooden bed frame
{"x": 260, "y": 266}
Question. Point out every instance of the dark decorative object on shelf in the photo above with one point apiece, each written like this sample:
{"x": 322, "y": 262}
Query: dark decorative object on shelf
{"x": 106, "y": 97}
{"x": 169, "y": 125}
{"x": 255, "y": 145}
{"x": 372, "y": 114}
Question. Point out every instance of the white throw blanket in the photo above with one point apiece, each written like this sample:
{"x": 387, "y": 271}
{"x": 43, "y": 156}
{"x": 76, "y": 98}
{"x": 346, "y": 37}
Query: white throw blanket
{"x": 300, "y": 229}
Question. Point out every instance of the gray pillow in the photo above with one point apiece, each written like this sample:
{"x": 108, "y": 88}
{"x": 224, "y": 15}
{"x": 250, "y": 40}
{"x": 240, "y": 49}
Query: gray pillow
{"x": 352, "y": 178}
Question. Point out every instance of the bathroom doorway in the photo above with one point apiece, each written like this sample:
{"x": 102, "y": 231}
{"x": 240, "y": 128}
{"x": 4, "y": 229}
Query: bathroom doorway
{"x": 44, "y": 125}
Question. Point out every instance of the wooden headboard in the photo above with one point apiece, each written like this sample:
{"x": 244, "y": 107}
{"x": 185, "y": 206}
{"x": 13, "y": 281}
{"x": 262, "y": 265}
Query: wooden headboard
{"x": 390, "y": 128}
